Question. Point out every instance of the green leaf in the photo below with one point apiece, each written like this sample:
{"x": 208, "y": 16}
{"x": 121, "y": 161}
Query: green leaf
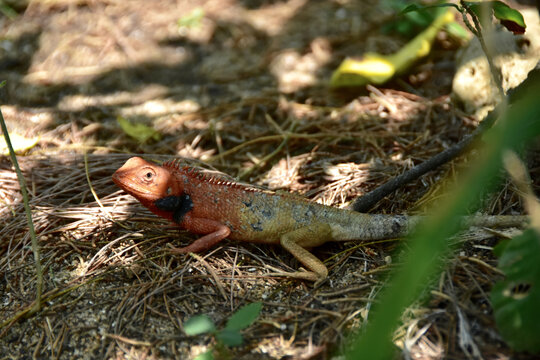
{"x": 208, "y": 355}
{"x": 509, "y": 18}
{"x": 415, "y": 7}
{"x": 244, "y": 317}
{"x": 230, "y": 337}
{"x": 412, "y": 7}
{"x": 516, "y": 299}
{"x": 140, "y": 132}
{"x": 3, "y": 83}
{"x": 200, "y": 324}
{"x": 457, "y": 31}
{"x": 412, "y": 20}
{"x": 192, "y": 20}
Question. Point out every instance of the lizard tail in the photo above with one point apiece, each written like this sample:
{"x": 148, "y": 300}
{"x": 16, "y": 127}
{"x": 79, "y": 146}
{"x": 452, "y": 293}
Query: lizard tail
{"x": 381, "y": 226}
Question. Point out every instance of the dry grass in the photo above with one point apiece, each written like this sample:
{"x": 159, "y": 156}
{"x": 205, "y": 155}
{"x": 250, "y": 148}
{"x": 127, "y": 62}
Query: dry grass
{"x": 114, "y": 291}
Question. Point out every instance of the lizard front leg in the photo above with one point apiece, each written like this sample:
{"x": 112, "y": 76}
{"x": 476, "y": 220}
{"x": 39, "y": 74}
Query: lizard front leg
{"x": 296, "y": 243}
{"x": 215, "y": 232}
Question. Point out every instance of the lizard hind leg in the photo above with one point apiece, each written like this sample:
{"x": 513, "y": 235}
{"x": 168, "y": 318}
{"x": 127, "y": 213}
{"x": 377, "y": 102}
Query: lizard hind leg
{"x": 296, "y": 243}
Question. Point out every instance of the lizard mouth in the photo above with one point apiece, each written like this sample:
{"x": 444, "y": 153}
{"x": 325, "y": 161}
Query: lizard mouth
{"x": 126, "y": 183}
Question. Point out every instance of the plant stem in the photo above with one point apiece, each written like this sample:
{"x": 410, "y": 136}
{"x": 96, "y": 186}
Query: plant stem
{"x": 35, "y": 246}
{"x": 495, "y": 72}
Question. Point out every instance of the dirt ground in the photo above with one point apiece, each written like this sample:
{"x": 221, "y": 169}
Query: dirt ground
{"x": 245, "y": 91}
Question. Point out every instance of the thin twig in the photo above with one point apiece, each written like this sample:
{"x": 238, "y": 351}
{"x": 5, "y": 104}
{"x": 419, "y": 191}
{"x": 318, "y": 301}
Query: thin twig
{"x": 264, "y": 139}
{"x": 366, "y": 202}
{"x": 216, "y": 278}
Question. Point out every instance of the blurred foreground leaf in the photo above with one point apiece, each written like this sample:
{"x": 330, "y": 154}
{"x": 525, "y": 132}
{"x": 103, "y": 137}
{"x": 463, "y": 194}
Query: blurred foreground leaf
{"x": 429, "y": 245}
{"x": 244, "y": 317}
{"x": 516, "y": 299}
{"x": 200, "y": 324}
{"x": 207, "y": 355}
{"x": 230, "y": 337}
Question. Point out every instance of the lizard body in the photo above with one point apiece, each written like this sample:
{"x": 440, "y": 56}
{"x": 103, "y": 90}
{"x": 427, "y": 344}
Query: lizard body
{"x": 218, "y": 208}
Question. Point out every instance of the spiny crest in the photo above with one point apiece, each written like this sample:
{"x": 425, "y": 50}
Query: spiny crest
{"x": 211, "y": 177}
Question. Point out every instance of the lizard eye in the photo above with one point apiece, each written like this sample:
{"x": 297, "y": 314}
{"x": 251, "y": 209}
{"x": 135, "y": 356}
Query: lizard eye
{"x": 148, "y": 175}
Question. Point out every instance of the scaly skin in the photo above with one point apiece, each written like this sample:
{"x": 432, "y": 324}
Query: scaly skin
{"x": 217, "y": 209}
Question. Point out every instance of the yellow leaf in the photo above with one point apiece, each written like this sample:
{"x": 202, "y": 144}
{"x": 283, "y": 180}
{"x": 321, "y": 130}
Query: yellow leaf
{"x": 373, "y": 68}
{"x": 20, "y": 143}
{"x": 377, "y": 69}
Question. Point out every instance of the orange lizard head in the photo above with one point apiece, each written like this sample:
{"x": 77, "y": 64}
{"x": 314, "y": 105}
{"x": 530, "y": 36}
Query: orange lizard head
{"x": 146, "y": 181}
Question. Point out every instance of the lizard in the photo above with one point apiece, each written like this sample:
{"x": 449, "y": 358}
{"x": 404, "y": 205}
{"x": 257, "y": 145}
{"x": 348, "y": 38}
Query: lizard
{"x": 217, "y": 208}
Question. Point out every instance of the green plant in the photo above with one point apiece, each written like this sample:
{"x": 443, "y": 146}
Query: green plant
{"x": 481, "y": 14}
{"x": 516, "y": 126}
{"x": 410, "y": 23}
{"x": 509, "y": 18}
{"x": 230, "y": 335}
